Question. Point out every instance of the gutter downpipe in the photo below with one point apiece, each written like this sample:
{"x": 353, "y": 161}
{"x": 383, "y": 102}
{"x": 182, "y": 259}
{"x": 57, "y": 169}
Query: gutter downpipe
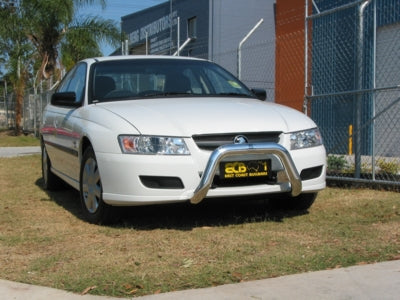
{"x": 358, "y": 108}
{"x": 305, "y": 103}
{"x": 170, "y": 28}
{"x": 147, "y": 43}
{"x": 211, "y": 31}
{"x": 373, "y": 95}
{"x": 178, "y": 42}
{"x": 183, "y": 46}
{"x": 240, "y": 47}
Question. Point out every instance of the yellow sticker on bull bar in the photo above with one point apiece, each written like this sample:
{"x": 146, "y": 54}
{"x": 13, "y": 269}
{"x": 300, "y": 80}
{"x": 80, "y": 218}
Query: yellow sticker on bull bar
{"x": 248, "y": 169}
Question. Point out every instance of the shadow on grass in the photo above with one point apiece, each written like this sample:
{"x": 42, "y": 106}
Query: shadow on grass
{"x": 66, "y": 197}
{"x": 184, "y": 216}
{"x": 210, "y": 212}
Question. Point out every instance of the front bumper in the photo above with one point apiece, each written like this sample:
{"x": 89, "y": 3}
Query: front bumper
{"x": 122, "y": 185}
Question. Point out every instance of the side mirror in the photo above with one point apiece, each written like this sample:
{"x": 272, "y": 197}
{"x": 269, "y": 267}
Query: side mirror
{"x": 65, "y": 99}
{"x": 261, "y": 94}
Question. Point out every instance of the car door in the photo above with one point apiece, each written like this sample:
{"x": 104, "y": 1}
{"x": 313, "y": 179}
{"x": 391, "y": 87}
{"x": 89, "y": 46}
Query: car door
{"x": 64, "y": 151}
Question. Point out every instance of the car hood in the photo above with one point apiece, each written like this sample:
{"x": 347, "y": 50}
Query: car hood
{"x": 203, "y": 115}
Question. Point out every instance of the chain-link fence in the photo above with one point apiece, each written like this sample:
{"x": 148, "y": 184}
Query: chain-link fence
{"x": 353, "y": 79}
{"x": 32, "y": 111}
{"x": 33, "y": 107}
{"x": 7, "y": 112}
{"x": 3, "y": 113}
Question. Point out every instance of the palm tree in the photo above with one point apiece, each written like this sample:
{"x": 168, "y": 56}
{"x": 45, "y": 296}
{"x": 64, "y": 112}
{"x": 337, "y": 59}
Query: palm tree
{"x": 53, "y": 26}
{"x": 35, "y": 32}
{"x": 83, "y": 39}
{"x": 17, "y": 52}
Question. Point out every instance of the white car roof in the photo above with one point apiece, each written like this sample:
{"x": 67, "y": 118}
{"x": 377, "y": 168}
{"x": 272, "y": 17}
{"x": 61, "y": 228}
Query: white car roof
{"x": 138, "y": 57}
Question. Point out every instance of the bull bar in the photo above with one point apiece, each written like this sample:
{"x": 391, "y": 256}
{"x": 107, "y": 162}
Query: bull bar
{"x": 225, "y": 151}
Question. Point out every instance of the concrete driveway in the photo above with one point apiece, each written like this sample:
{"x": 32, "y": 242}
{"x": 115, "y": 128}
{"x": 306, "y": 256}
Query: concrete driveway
{"x": 18, "y": 151}
{"x": 374, "y": 281}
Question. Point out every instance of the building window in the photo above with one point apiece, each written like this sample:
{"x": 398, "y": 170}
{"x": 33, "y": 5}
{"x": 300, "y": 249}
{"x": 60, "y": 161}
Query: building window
{"x": 192, "y": 27}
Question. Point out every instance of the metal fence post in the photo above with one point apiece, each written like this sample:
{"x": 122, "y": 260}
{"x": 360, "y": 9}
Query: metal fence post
{"x": 359, "y": 97}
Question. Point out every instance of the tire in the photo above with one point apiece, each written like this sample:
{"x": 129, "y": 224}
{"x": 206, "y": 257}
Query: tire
{"x": 50, "y": 180}
{"x": 95, "y": 210}
{"x": 300, "y": 203}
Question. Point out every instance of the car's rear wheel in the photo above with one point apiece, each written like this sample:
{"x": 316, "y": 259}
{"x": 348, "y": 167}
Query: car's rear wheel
{"x": 94, "y": 208}
{"x": 50, "y": 181}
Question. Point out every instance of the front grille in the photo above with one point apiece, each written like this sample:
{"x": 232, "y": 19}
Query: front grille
{"x": 213, "y": 141}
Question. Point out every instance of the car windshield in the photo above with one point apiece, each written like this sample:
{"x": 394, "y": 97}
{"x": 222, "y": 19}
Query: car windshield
{"x": 149, "y": 78}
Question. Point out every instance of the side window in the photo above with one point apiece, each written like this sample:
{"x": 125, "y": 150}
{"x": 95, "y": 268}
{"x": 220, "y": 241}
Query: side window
{"x": 63, "y": 87}
{"x": 78, "y": 80}
{"x": 75, "y": 81}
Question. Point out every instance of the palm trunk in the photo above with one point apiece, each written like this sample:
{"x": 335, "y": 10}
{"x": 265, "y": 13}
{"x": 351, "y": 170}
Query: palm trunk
{"x": 19, "y": 92}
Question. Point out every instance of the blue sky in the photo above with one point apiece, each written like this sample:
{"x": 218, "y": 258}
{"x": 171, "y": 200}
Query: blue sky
{"x": 116, "y": 9}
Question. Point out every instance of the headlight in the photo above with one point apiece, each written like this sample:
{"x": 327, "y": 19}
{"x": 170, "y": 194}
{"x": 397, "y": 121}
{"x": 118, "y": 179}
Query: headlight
{"x": 135, "y": 144}
{"x": 305, "y": 139}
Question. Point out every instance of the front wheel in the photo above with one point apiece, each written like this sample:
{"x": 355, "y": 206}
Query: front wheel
{"x": 94, "y": 208}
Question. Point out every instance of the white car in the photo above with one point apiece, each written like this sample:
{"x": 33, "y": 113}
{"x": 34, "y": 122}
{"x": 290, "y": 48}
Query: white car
{"x": 139, "y": 130}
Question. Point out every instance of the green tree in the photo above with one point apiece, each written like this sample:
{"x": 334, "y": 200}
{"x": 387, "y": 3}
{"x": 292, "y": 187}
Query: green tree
{"x": 83, "y": 39}
{"x": 17, "y": 52}
{"x": 53, "y": 25}
{"x": 34, "y": 33}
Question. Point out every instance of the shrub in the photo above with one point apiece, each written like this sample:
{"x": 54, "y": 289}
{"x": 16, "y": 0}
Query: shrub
{"x": 388, "y": 167}
{"x": 337, "y": 163}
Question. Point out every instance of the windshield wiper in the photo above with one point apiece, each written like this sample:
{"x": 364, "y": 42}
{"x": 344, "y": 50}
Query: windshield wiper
{"x": 161, "y": 94}
{"x": 234, "y": 94}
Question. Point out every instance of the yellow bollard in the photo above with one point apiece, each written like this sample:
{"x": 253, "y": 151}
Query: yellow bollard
{"x": 350, "y": 139}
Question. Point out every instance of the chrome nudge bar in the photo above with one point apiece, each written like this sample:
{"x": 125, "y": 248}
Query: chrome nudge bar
{"x": 237, "y": 149}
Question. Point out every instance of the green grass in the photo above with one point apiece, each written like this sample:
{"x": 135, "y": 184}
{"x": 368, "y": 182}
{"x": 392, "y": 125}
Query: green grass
{"x": 44, "y": 241}
{"x": 8, "y": 139}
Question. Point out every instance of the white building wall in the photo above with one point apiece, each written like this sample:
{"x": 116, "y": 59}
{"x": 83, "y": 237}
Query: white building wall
{"x": 387, "y": 126}
{"x": 230, "y": 22}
